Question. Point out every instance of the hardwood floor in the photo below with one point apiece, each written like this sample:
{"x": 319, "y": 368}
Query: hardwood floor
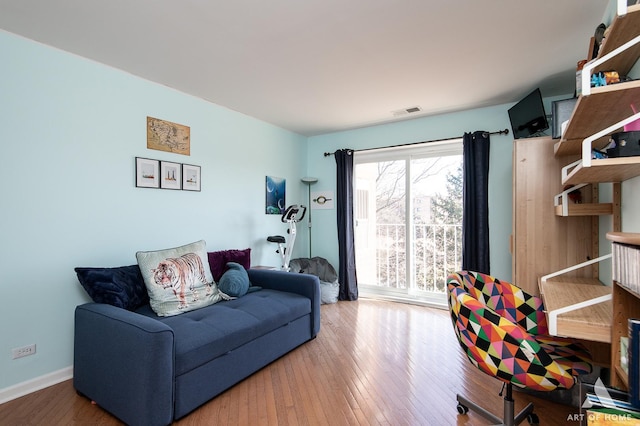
{"x": 373, "y": 363}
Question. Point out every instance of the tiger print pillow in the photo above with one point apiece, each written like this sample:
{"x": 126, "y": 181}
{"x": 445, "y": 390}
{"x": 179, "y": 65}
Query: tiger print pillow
{"x": 178, "y": 279}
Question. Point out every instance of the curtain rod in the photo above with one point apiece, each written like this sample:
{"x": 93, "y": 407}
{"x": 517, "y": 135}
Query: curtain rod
{"x": 498, "y": 132}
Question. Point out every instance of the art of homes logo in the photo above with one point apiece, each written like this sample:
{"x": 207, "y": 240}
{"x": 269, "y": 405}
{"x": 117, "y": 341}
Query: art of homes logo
{"x": 602, "y": 399}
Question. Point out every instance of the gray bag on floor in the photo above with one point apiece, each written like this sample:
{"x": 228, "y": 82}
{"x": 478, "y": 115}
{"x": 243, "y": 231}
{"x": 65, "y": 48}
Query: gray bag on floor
{"x": 321, "y": 268}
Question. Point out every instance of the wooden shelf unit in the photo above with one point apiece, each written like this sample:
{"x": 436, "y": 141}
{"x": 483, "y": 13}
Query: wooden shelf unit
{"x": 584, "y": 308}
{"x": 587, "y": 209}
{"x": 605, "y": 170}
{"x": 622, "y": 29}
{"x": 589, "y": 323}
{"x": 605, "y": 107}
{"x": 625, "y": 304}
{"x": 588, "y": 206}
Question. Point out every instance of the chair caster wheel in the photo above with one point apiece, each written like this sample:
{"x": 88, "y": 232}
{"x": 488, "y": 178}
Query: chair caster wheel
{"x": 462, "y": 409}
{"x": 533, "y": 419}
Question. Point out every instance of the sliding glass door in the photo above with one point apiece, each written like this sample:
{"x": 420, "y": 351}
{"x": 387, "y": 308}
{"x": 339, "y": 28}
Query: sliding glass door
{"x": 408, "y": 213}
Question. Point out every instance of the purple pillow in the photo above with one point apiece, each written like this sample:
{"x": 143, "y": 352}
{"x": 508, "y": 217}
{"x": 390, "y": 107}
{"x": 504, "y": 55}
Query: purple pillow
{"x": 216, "y": 264}
{"x": 122, "y": 287}
{"x": 218, "y": 261}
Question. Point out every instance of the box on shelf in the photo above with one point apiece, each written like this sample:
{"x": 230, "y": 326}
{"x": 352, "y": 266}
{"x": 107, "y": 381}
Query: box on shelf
{"x": 560, "y": 113}
{"x": 626, "y": 265}
{"x": 624, "y": 144}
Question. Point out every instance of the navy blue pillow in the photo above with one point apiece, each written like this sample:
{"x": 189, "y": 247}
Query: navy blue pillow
{"x": 122, "y": 287}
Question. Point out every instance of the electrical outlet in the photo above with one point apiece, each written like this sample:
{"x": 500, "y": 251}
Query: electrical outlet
{"x": 23, "y": 351}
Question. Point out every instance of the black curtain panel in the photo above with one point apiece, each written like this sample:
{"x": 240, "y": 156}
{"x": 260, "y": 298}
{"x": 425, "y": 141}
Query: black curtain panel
{"x": 475, "y": 216}
{"x": 346, "y": 241}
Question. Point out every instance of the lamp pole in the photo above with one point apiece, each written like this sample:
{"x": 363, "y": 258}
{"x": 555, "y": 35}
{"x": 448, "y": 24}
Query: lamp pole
{"x": 309, "y": 181}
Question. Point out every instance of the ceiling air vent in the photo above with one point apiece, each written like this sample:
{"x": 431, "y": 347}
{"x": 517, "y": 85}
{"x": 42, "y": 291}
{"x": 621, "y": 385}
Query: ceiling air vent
{"x": 406, "y": 111}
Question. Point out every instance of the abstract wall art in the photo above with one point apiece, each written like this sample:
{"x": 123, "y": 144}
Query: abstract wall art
{"x": 275, "y": 195}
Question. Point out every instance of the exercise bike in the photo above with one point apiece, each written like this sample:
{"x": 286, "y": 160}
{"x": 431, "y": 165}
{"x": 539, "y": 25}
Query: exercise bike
{"x": 293, "y": 214}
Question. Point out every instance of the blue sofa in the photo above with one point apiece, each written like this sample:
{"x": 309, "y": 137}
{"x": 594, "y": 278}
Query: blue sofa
{"x": 151, "y": 370}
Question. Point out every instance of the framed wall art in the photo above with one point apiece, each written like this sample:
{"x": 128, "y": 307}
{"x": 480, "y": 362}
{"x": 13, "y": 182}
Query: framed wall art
{"x": 190, "y": 177}
{"x": 275, "y": 195}
{"x": 167, "y": 136}
{"x": 170, "y": 175}
{"x": 147, "y": 173}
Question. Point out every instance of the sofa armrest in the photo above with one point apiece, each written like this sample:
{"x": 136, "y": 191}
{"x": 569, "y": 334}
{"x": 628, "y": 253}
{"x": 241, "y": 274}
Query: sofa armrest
{"x": 124, "y": 362}
{"x": 303, "y": 284}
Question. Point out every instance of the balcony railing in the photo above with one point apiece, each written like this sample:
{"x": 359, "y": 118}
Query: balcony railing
{"x": 436, "y": 249}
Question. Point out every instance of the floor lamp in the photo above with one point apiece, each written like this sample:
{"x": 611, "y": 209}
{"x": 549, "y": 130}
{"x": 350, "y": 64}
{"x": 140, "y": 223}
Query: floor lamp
{"x": 309, "y": 181}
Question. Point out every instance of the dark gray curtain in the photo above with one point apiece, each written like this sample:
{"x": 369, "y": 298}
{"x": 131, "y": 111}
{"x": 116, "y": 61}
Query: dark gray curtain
{"x": 346, "y": 243}
{"x": 475, "y": 215}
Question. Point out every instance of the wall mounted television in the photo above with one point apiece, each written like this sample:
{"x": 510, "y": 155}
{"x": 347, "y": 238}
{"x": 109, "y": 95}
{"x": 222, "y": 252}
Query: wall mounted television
{"x": 527, "y": 116}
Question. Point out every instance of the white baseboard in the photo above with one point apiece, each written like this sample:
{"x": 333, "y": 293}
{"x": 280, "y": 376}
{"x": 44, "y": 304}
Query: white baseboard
{"x": 33, "y": 385}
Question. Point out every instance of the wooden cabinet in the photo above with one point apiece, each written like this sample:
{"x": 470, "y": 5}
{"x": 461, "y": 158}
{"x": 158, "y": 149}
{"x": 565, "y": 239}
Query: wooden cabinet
{"x": 541, "y": 241}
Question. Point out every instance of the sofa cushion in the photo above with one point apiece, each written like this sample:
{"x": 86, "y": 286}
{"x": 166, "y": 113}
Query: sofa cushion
{"x": 122, "y": 286}
{"x": 218, "y": 260}
{"x": 207, "y": 333}
{"x": 178, "y": 279}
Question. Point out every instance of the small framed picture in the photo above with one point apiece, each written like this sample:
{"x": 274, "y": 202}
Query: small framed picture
{"x": 147, "y": 173}
{"x": 275, "y": 192}
{"x": 170, "y": 175}
{"x": 190, "y": 177}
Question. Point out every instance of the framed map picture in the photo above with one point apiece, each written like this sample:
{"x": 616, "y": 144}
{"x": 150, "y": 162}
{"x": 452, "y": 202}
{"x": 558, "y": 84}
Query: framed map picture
{"x": 167, "y": 136}
{"x": 190, "y": 177}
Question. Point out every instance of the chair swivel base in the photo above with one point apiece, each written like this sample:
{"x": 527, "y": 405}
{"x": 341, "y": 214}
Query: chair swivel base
{"x": 509, "y": 418}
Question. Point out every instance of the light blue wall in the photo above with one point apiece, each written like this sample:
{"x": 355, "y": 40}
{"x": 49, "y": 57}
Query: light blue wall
{"x": 71, "y": 129}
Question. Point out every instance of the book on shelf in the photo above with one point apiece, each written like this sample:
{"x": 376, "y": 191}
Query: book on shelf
{"x": 633, "y": 361}
{"x": 597, "y": 395}
{"x": 608, "y": 406}
{"x": 624, "y": 354}
{"x": 626, "y": 265}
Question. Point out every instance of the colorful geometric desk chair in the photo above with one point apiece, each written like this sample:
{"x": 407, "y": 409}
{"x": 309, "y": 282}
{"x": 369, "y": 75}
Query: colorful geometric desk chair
{"x": 503, "y": 332}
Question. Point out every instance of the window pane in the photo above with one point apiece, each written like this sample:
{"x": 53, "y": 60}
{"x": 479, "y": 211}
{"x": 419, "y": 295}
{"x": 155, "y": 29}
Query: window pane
{"x": 380, "y": 223}
{"x": 437, "y": 220}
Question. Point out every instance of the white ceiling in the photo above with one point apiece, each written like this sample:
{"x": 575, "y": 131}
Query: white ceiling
{"x": 317, "y": 66}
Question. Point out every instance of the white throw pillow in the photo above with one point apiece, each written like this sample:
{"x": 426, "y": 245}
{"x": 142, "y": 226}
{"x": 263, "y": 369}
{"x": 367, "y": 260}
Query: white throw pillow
{"x": 178, "y": 279}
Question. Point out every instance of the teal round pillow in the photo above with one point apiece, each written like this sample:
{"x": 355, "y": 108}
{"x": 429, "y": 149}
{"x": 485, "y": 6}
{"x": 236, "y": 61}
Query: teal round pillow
{"x": 235, "y": 281}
